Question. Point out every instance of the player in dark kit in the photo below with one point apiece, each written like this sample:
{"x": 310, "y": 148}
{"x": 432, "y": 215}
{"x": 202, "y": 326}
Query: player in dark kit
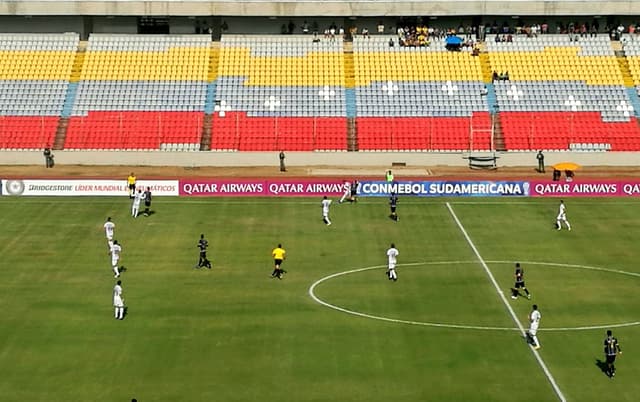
{"x": 203, "y": 261}
{"x": 147, "y": 201}
{"x": 611, "y": 349}
{"x": 515, "y": 290}
{"x": 354, "y": 191}
{"x": 393, "y": 204}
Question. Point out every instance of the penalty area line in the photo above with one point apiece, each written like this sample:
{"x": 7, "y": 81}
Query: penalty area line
{"x": 512, "y": 313}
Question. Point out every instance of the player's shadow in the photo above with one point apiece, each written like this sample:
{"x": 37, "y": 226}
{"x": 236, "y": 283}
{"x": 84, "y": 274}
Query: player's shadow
{"x": 601, "y": 365}
{"x": 149, "y": 213}
{"x": 122, "y": 269}
{"x": 125, "y": 313}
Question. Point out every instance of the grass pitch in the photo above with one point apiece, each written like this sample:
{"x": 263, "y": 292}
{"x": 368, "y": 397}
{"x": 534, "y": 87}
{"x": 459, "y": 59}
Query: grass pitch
{"x": 235, "y": 334}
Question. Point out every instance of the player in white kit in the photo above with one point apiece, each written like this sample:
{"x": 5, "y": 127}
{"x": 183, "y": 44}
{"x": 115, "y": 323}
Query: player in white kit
{"x": 109, "y": 229}
{"x": 137, "y": 199}
{"x": 325, "y": 210}
{"x": 347, "y": 191}
{"x": 118, "y": 301}
{"x": 392, "y": 256}
{"x": 534, "y": 323}
{"x": 562, "y": 217}
{"x": 115, "y": 257}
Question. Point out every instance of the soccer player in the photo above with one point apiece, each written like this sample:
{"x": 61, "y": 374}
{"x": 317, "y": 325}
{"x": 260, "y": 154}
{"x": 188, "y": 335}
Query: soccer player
{"x": 147, "y": 201}
{"x": 131, "y": 184}
{"x": 611, "y": 349}
{"x": 115, "y": 252}
{"x": 354, "y": 191}
{"x": 519, "y": 275}
{"x": 534, "y": 323}
{"x": 135, "y": 206}
{"x": 109, "y": 228}
{"x": 325, "y": 210}
{"x": 278, "y": 254}
{"x": 202, "y": 246}
{"x": 118, "y": 301}
{"x": 393, "y": 204}
{"x": 562, "y": 217}
{"x": 392, "y": 256}
{"x": 347, "y": 192}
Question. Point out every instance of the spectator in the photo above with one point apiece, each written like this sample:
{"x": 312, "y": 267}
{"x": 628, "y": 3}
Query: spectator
{"x": 391, "y": 42}
{"x": 305, "y": 27}
{"x": 380, "y": 27}
{"x": 544, "y": 28}
{"x": 315, "y": 38}
{"x": 569, "y": 175}
{"x": 365, "y": 33}
{"x": 224, "y": 27}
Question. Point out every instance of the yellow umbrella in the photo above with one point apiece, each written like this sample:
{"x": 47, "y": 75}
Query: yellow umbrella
{"x": 566, "y": 166}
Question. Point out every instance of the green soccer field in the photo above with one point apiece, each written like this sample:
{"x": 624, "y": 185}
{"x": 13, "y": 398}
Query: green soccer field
{"x": 442, "y": 332}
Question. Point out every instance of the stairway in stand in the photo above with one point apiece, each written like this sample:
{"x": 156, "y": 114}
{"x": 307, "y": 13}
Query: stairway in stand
{"x": 209, "y": 108}
{"x": 72, "y": 90}
{"x": 350, "y": 97}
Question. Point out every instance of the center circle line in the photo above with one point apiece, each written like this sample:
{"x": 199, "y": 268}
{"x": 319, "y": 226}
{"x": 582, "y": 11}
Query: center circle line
{"x": 318, "y": 300}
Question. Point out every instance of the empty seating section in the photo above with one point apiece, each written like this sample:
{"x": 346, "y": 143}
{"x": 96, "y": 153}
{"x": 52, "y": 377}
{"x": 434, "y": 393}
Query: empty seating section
{"x": 279, "y": 93}
{"x": 419, "y": 98}
{"x": 141, "y": 92}
{"x": 562, "y": 92}
{"x": 290, "y": 93}
{"x": 34, "y": 77}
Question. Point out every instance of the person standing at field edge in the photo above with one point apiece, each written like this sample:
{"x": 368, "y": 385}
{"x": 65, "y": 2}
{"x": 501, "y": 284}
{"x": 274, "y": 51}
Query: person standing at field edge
{"x": 131, "y": 184}
{"x": 282, "y": 166}
{"x": 540, "y": 158}
{"x": 279, "y": 254}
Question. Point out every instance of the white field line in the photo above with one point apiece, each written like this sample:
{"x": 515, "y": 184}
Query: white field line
{"x": 514, "y": 317}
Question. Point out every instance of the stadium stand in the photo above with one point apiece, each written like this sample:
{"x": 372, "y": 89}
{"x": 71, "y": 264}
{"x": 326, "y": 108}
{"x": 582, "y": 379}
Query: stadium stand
{"x": 141, "y": 92}
{"x": 307, "y": 93}
{"x": 564, "y": 92}
{"x": 280, "y": 93}
{"x": 419, "y": 98}
{"x": 34, "y": 77}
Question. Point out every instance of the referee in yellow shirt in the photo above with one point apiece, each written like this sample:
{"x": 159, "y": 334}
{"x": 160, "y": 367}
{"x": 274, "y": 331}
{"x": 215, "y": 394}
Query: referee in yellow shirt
{"x": 131, "y": 183}
{"x": 279, "y": 255}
